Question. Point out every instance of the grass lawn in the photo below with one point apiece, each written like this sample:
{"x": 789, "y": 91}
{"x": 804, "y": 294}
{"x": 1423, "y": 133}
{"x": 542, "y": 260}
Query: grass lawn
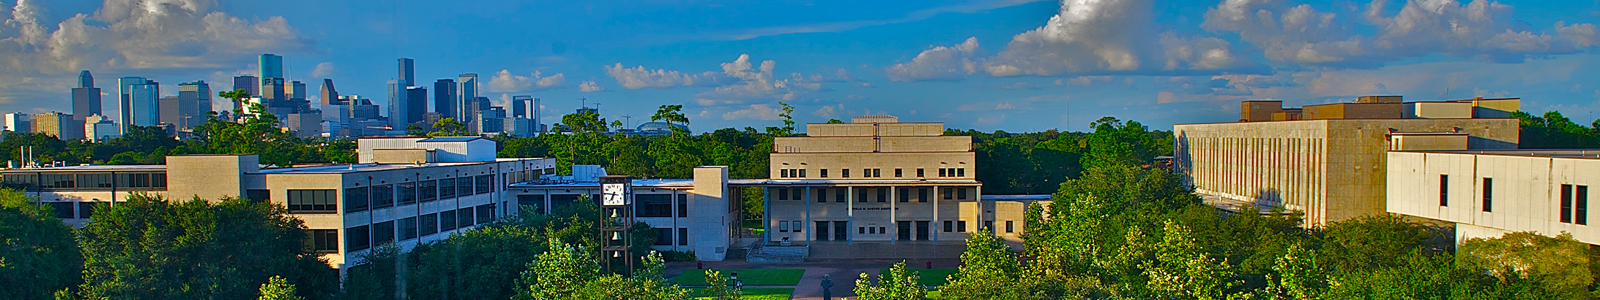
{"x": 755, "y": 294}
{"x": 928, "y": 277}
{"x": 749, "y": 276}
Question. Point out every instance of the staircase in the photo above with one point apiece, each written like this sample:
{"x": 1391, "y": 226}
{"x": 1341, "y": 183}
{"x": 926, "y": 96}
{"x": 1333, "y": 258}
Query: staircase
{"x": 776, "y": 254}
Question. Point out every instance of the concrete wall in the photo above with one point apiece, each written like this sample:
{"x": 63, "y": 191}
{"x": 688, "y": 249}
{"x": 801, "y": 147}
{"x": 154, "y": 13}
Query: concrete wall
{"x": 887, "y": 162}
{"x": 1438, "y": 110}
{"x": 1252, "y": 111}
{"x": 709, "y": 235}
{"x": 209, "y": 176}
{"x": 1526, "y": 191}
{"x": 364, "y": 146}
{"x": 872, "y": 129}
{"x": 1330, "y": 169}
{"x": 1420, "y": 142}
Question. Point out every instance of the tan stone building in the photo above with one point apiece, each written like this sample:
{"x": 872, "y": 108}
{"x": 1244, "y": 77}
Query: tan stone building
{"x": 348, "y": 208}
{"x": 1328, "y": 160}
{"x": 1488, "y": 193}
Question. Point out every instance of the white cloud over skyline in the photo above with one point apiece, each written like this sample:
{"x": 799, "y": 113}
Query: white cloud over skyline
{"x": 505, "y": 82}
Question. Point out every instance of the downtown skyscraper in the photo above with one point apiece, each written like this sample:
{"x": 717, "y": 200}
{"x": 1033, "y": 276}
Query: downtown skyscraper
{"x": 399, "y": 96}
{"x": 86, "y": 98}
{"x": 138, "y": 102}
{"x": 444, "y": 99}
{"x": 466, "y": 92}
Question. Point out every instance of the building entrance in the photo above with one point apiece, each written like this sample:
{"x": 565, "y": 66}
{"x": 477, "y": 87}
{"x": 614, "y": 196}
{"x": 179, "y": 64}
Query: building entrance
{"x": 822, "y": 230}
{"x": 922, "y": 230}
{"x": 903, "y": 230}
{"x": 841, "y": 230}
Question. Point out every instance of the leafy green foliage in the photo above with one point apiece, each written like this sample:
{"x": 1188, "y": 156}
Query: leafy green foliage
{"x": 278, "y": 289}
{"x": 896, "y": 284}
{"x": 728, "y": 291}
{"x": 1560, "y": 263}
{"x": 1552, "y": 131}
{"x": 38, "y": 255}
{"x": 568, "y": 272}
{"x": 151, "y": 248}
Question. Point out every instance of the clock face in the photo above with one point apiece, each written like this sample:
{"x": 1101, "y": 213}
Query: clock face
{"x": 614, "y": 194}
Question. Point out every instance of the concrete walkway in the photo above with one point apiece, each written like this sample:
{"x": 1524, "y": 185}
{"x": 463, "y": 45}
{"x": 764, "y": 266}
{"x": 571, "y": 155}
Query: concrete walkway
{"x": 843, "y": 271}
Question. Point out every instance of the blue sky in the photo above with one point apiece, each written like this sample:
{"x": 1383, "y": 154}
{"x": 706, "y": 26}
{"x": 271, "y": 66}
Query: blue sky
{"x": 1014, "y": 65}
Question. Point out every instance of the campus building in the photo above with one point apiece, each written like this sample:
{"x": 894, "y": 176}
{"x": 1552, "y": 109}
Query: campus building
{"x": 404, "y": 190}
{"x": 1329, "y": 161}
{"x": 1488, "y": 193}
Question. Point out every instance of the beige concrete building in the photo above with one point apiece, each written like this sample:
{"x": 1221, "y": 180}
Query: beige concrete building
{"x": 348, "y": 208}
{"x": 1330, "y": 161}
{"x": 1488, "y": 193}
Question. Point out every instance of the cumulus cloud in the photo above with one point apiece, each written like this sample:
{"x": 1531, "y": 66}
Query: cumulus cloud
{"x": 764, "y": 112}
{"x": 939, "y": 63}
{"x": 324, "y": 69}
{"x": 505, "y": 82}
{"x": 828, "y": 112}
{"x": 639, "y": 77}
{"x": 756, "y": 82}
{"x": 133, "y": 34}
{"x": 1097, "y": 37}
{"x": 590, "y": 86}
{"x": 1480, "y": 29}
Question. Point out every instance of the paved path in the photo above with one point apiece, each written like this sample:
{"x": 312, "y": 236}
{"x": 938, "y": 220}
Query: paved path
{"x": 843, "y": 271}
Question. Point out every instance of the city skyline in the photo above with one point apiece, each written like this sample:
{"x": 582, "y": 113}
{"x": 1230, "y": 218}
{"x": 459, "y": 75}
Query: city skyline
{"x": 1008, "y": 65}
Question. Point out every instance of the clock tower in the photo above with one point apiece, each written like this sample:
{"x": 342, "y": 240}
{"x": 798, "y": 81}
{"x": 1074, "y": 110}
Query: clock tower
{"x": 617, "y": 215}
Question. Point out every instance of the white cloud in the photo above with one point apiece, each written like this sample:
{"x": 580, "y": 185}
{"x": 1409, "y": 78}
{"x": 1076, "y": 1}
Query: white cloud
{"x": 939, "y": 63}
{"x": 590, "y": 86}
{"x": 132, "y": 34}
{"x": 324, "y": 70}
{"x": 639, "y": 77}
{"x": 828, "y": 112}
{"x": 754, "y": 112}
{"x": 1097, "y": 37}
{"x": 505, "y": 82}
{"x": 756, "y": 82}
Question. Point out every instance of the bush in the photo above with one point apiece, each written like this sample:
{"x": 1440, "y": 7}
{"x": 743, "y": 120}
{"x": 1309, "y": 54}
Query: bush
{"x": 671, "y": 255}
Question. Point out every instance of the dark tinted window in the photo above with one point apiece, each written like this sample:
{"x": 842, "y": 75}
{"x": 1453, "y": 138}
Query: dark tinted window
{"x": 654, "y": 205}
{"x": 356, "y": 199}
{"x": 382, "y": 196}
{"x": 311, "y": 201}
{"x": 447, "y": 188}
{"x": 357, "y": 238}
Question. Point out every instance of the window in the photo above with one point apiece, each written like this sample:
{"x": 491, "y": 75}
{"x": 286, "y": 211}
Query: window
{"x": 941, "y": 172}
{"x": 897, "y": 173}
{"x": 961, "y": 226}
{"x": 1582, "y": 208}
{"x": 683, "y": 205}
{"x": 1566, "y": 203}
{"x": 63, "y": 210}
{"x": 356, "y": 199}
{"x": 464, "y": 218}
{"x": 883, "y": 230}
{"x": 883, "y": 195}
{"x": 948, "y": 192}
{"x": 1488, "y": 194}
{"x": 406, "y": 192}
{"x": 534, "y": 203}
{"x": 866, "y": 173}
{"x": 408, "y": 228}
{"x": 948, "y": 226}
{"x": 1444, "y": 190}
{"x": 961, "y": 193}
{"x": 311, "y": 201}
{"x": 324, "y": 240}
{"x": 844, "y": 173}
{"x": 783, "y": 194}
{"x": 919, "y": 172}
{"x": 861, "y": 230}
{"x": 862, "y": 195}
{"x": 447, "y": 188}
{"x": 255, "y": 195}
{"x": 94, "y": 180}
{"x": 86, "y": 209}
{"x": 654, "y": 205}
{"x": 382, "y": 232}
{"x": 447, "y": 220}
{"x": 797, "y": 226}
{"x": 802, "y": 173}
{"x": 683, "y": 236}
{"x": 1009, "y": 229}
{"x": 382, "y": 196}
{"x": 485, "y": 213}
{"x": 485, "y": 184}
{"x": 877, "y": 173}
{"x": 783, "y": 226}
{"x": 988, "y": 225}
{"x": 783, "y": 173}
{"x": 905, "y": 195}
{"x": 427, "y": 224}
{"x": 922, "y": 195}
{"x": 464, "y": 187}
{"x": 663, "y": 237}
{"x": 823, "y": 173}
{"x": 822, "y": 195}
{"x": 429, "y": 190}
{"x": 357, "y": 238}
{"x": 839, "y": 195}
{"x": 961, "y": 172}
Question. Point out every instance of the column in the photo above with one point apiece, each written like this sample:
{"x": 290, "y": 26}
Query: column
{"x": 807, "y": 233}
{"x": 850, "y": 219}
{"x": 936, "y": 228}
{"x": 675, "y": 214}
{"x": 978, "y": 196}
{"x": 766, "y": 217}
{"x": 892, "y": 215}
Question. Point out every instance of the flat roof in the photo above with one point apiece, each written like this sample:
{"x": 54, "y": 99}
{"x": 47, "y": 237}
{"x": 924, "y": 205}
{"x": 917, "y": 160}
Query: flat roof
{"x": 91, "y": 168}
{"x": 318, "y": 169}
{"x": 1348, "y": 119}
{"x": 1554, "y": 153}
{"x": 450, "y": 139}
{"x": 566, "y": 182}
{"x": 1017, "y": 197}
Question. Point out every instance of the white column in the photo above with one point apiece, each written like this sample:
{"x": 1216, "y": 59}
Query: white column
{"x": 935, "y": 227}
{"x": 807, "y": 233}
{"x": 892, "y": 215}
{"x": 850, "y": 209}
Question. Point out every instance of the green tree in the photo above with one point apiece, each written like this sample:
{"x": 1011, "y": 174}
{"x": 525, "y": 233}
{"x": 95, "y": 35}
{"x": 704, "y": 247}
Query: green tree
{"x": 896, "y": 284}
{"x": 237, "y": 96}
{"x": 38, "y": 255}
{"x": 1183, "y": 269}
{"x": 1297, "y": 275}
{"x": 986, "y": 261}
{"x": 150, "y": 248}
{"x": 788, "y": 118}
{"x": 567, "y": 272}
{"x": 719, "y": 287}
{"x": 448, "y": 127}
{"x": 670, "y": 113}
{"x": 1372, "y": 241}
{"x": 278, "y": 289}
{"x": 1559, "y": 264}
{"x": 1554, "y": 131}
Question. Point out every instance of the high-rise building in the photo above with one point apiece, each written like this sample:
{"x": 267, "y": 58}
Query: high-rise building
{"x": 18, "y": 122}
{"x": 489, "y": 120}
{"x": 519, "y": 106}
{"x": 60, "y": 125}
{"x": 250, "y": 84}
{"x": 408, "y": 74}
{"x": 297, "y": 91}
{"x": 416, "y": 104}
{"x": 194, "y": 100}
{"x": 330, "y": 96}
{"x": 100, "y": 128}
{"x": 444, "y": 98}
{"x": 466, "y": 90}
{"x": 479, "y": 103}
{"x": 270, "y": 66}
{"x": 397, "y": 102}
{"x": 85, "y": 98}
{"x": 138, "y": 102}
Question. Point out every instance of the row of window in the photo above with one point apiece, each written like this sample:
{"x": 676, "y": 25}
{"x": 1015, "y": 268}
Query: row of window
{"x": 664, "y": 237}
{"x": 906, "y": 194}
{"x": 1488, "y": 192}
{"x": 645, "y": 205}
{"x": 387, "y": 195}
{"x": 949, "y": 226}
{"x": 870, "y": 173}
{"x": 88, "y": 181}
{"x": 367, "y": 236}
{"x": 84, "y": 210}
{"x": 1574, "y": 199}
